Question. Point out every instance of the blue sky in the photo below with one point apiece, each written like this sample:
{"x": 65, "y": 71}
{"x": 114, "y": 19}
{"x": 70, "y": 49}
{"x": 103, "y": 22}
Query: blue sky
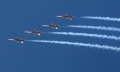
{"x": 16, "y": 16}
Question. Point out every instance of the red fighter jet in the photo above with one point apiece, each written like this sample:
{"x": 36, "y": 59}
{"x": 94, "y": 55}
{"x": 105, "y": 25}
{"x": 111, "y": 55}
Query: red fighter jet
{"x": 52, "y": 25}
{"x": 35, "y": 32}
{"x": 18, "y": 40}
{"x": 65, "y": 16}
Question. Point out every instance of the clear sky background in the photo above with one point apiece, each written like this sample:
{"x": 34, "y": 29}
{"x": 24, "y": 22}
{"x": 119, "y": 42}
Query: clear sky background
{"x": 16, "y": 16}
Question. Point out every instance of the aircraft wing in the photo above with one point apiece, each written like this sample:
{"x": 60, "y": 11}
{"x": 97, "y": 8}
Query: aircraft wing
{"x": 22, "y": 42}
{"x": 19, "y": 41}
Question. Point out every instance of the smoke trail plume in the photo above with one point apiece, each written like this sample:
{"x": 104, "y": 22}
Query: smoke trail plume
{"x": 96, "y": 27}
{"x": 86, "y": 34}
{"x": 79, "y": 44}
{"x": 101, "y": 18}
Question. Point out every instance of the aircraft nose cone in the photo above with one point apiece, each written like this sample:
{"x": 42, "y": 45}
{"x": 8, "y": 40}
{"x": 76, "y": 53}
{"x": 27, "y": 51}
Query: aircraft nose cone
{"x": 58, "y": 16}
{"x": 10, "y": 39}
{"x": 44, "y": 25}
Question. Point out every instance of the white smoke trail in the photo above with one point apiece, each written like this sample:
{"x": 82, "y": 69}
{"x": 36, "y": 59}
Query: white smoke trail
{"x": 79, "y": 44}
{"x": 86, "y": 34}
{"x": 96, "y": 27}
{"x": 101, "y": 18}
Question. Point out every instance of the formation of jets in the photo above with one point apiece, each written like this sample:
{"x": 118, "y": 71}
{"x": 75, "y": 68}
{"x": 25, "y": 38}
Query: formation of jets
{"x": 37, "y": 32}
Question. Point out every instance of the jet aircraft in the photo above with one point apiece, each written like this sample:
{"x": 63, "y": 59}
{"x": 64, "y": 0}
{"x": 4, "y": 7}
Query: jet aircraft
{"x": 65, "y": 16}
{"x": 35, "y": 32}
{"x": 53, "y": 26}
{"x": 18, "y": 40}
